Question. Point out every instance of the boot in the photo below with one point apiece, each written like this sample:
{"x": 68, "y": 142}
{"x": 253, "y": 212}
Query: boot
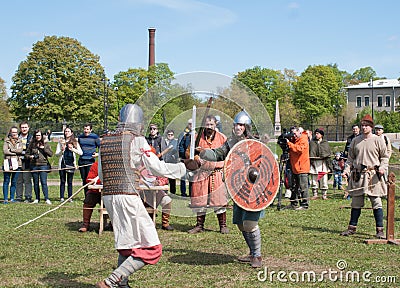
{"x": 324, "y": 195}
{"x": 222, "y": 223}
{"x": 256, "y": 262}
{"x": 199, "y": 225}
{"x": 315, "y": 193}
{"x": 165, "y": 222}
{"x": 350, "y": 231}
{"x": 379, "y": 233}
{"x": 87, "y": 214}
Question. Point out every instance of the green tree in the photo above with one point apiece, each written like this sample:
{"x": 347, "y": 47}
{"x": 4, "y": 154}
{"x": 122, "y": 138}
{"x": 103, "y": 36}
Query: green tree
{"x": 363, "y": 75}
{"x": 267, "y": 84}
{"x": 5, "y": 115}
{"x": 318, "y": 89}
{"x": 60, "y": 79}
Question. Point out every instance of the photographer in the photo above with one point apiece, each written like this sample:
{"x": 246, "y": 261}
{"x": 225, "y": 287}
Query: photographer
{"x": 300, "y": 163}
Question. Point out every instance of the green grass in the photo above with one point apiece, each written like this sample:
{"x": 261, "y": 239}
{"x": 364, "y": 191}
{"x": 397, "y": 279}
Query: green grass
{"x": 51, "y": 253}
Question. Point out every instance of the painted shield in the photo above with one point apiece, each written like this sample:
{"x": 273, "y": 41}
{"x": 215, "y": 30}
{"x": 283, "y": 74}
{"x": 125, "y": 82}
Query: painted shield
{"x": 251, "y": 175}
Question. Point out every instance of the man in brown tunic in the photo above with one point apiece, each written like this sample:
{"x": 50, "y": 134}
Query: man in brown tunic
{"x": 366, "y": 164}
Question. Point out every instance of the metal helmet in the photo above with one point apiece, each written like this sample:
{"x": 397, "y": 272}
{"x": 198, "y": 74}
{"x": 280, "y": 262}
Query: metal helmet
{"x": 242, "y": 118}
{"x": 131, "y": 113}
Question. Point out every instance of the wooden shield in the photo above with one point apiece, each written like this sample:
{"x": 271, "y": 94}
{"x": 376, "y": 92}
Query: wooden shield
{"x": 251, "y": 175}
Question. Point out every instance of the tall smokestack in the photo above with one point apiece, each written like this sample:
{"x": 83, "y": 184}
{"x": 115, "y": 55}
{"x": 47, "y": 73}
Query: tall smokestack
{"x": 152, "y": 53}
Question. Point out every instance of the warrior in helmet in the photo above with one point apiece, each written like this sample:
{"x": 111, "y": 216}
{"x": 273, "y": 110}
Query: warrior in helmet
{"x": 122, "y": 153}
{"x": 247, "y": 221}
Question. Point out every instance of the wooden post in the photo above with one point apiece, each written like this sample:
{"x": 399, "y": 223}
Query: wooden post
{"x": 390, "y": 215}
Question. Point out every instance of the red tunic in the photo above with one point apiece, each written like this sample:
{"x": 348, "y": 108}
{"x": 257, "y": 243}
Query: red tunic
{"x": 208, "y": 188}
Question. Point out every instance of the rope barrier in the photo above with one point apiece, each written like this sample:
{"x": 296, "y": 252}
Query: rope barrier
{"x": 45, "y": 170}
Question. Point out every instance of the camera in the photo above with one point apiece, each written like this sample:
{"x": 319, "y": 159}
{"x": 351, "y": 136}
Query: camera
{"x": 283, "y": 139}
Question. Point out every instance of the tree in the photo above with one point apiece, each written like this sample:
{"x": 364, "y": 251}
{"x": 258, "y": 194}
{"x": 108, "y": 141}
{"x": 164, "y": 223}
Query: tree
{"x": 267, "y": 84}
{"x": 363, "y": 75}
{"x": 5, "y": 115}
{"x": 60, "y": 79}
{"x": 318, "y": 89}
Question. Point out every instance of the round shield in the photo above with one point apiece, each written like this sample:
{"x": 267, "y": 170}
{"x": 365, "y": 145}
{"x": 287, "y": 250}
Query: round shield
{"x": 251, "y": 175}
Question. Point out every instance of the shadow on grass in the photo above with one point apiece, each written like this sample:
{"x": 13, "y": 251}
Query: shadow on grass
{"x": 332, "y": 231}
{"x": 192, "y": 257}
{"x": 57, "y": 279}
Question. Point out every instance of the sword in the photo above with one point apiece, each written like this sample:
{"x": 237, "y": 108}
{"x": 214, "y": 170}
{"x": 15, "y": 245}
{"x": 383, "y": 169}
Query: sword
{"x": 192, "y": 134}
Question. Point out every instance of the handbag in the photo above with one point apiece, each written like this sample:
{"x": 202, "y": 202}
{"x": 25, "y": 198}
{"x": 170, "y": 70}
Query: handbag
{"x": 10, "y": 164}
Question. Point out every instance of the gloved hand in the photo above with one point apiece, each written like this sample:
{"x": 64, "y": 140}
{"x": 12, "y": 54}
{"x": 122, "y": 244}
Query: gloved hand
{"x": 191, "y": 164}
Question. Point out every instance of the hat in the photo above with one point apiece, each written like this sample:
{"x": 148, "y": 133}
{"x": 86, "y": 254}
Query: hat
{"x": 320, "y": 131}
{"x": 378, "y": 126}
{"x": 217, "y": 117}
{"x": 190, "y": 121}
{"x": 153, "y": 126}
{"x": 367, "y": 119}
{"x": 338, "y": 154}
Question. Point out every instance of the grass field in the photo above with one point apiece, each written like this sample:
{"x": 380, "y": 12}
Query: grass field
{"x": 51, "y": 253}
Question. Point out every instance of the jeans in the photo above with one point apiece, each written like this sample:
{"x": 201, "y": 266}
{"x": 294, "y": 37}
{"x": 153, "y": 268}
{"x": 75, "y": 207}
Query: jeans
{"x": 24, "y": 179}
{"x": 337, "y": 179}
{"x": 84, "y": 171}
{"x": 65, "y": 177}
{"x": 43, "y": 181}
{"x": 10, "y": 177}
{"x": 300, "y": 190}
{"x": 183, "y": 188}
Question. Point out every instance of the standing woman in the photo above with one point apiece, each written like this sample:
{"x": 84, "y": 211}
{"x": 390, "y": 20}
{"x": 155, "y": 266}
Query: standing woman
{"x": 66, "y": 150}
{"x": 37, "y": 152}
{"x": 12, "y": 150}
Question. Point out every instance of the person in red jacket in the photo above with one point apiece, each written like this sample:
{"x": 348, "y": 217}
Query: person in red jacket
{"x": 93, "y": 197}
{"x": 300, "y": 162}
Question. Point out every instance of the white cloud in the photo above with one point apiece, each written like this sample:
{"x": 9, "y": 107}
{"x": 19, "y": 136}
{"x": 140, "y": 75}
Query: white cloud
{"x": 293, "y": 5}
{"x": 198, "y": 15}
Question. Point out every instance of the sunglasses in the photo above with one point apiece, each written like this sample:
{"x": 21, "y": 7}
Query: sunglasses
{"x": 170, "y": 134}
{"x": 153, "y": 128}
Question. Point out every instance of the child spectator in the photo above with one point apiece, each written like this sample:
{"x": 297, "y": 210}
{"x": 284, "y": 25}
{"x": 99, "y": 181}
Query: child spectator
{"x": 338, "y": 166}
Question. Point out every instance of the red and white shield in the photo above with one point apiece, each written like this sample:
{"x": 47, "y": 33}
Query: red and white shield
{"x": 251, "y": 175}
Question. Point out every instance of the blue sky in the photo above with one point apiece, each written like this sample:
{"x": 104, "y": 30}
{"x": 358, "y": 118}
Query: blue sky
{"x": 225, "y": 36}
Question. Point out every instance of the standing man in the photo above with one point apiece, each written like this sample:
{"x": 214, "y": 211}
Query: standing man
{"x": 89, "y": 142}
{"x": 25, "y": 178}
{"x": 356, "y": 132}
{"x": 379, "y": 132}
{"x": 300, "y": 162}
{"x": 170, "y": 144}
{"x": 122, "y": 153}
{"x": 367, "y": 163}
{"x": 247, "y": 221}
{"x": 154, "y": 139}
{"x": 208, "y": 189}
{"x": 320, "y": 153}
{"x": 183, "y": 144}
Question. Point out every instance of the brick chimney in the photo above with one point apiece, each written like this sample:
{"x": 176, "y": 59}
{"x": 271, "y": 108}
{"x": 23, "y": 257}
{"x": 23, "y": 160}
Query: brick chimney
{"x": 152, "y": 53}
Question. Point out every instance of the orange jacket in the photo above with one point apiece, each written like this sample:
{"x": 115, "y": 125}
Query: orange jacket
{"x": 299, "y": 155}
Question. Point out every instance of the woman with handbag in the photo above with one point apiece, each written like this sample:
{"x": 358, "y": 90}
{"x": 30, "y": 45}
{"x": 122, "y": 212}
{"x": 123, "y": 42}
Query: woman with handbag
{"x": 38, "y": 151}
{"x": 12, "y": 150}
{"x": 67, "y": 148}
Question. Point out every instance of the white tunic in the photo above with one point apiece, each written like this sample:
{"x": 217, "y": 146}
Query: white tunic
{"x": 132, "y": 225}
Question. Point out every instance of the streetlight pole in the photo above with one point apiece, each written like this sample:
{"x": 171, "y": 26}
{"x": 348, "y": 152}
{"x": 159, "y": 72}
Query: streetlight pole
{"x": 105, "y": 95}
{"x": 372, "y": 96}
{"x": 337, "y": 107}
